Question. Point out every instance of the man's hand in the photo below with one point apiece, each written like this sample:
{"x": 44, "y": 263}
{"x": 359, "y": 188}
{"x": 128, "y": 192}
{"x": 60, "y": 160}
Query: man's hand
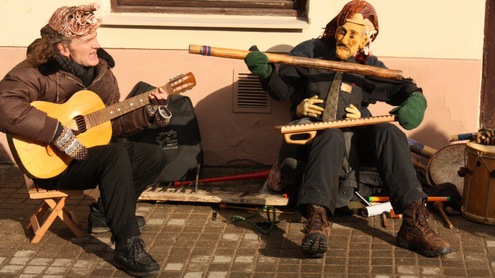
{"x": 352, "y": 112}
{"x": 157, "y": 110}
{"x": 307, "y": 107}
{"x": 159, "y": 97}
{"x": 257, "y": 63}
{"x": 412, "y": 111}
{"x": 66, "y": 141}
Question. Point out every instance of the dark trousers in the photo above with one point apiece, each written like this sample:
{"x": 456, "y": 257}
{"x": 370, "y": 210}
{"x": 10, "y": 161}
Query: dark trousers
{"x": 382, "y": 145}
{"x": 122, "y": 172}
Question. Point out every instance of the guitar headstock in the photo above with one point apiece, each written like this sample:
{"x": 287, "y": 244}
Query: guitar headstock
{"x": 180, "y": 83}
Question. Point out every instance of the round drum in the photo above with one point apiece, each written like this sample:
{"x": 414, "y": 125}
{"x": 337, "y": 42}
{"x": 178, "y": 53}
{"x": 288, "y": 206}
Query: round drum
{"x": 478, "y": 201}
{"x": 443, "y": 166}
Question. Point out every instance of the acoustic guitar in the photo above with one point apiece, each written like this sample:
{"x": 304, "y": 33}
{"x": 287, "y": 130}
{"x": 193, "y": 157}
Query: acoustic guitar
{"x": 86, "y": 113}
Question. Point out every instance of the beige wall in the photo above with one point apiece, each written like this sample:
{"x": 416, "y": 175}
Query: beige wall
{"x": 442, "y": 53}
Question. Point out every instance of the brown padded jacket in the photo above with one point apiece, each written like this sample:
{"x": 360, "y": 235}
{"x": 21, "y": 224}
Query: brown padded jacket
{"x": 48, "y": 82}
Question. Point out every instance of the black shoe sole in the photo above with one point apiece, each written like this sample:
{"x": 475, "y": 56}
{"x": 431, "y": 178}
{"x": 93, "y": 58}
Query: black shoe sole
{"x": 135, "y": 273}
{"x": 314, "y": 245}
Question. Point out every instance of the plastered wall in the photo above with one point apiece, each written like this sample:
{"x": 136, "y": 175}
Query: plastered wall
{"x": 442, "y": 53}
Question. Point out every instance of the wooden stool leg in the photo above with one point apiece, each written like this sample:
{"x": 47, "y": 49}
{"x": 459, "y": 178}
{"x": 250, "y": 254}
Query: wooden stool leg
{"x": 71, "y": 221}
{"x": 34, "y": 219}
{"x": 40, "y": 232}
{"x": 57, "y": 210}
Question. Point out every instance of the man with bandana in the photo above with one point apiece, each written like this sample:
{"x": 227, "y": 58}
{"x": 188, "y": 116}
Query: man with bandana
{"x": 66, "y": 59}
{"x": 348, "y": 38}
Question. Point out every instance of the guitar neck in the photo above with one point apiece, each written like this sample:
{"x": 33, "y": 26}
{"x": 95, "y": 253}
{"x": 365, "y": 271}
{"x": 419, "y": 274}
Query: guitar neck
{"x": 119, "y": 109}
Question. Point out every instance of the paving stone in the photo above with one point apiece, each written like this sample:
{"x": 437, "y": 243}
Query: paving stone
{"x": 174, "y": 266}
{"x": 187, "y": 242}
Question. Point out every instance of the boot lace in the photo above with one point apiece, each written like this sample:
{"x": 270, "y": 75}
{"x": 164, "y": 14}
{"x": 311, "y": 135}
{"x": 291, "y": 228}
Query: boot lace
{"x": 138, "y": 247}
{"x": 317, "y": 221}
{"x": 421, "y": 220}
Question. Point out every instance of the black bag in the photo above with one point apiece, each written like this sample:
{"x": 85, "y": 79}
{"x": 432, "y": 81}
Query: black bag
{"x": 180, "y": 139}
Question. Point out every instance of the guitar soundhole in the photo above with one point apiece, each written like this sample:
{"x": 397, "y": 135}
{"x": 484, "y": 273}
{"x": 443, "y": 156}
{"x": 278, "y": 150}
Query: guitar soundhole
{"x": 81, "y": 123}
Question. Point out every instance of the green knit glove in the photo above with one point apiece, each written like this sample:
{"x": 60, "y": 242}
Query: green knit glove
{"x": 412, "y": 111}
{"x": 257, "y": 63}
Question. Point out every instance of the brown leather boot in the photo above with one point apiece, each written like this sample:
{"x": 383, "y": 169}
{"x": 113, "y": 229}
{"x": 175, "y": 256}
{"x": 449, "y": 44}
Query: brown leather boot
{"x": 416, "y": 234}
{"x": 314, "y": 243}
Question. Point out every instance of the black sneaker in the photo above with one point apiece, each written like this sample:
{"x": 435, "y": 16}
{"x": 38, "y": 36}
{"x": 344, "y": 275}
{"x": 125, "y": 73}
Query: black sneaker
{"x": 97, "y": 223}
{"x": 131, "y": 256}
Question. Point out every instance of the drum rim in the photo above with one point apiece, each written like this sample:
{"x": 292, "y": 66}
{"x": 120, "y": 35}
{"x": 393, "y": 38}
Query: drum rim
{"x": 476, "y": 218}
{"x": 475, "y": 148}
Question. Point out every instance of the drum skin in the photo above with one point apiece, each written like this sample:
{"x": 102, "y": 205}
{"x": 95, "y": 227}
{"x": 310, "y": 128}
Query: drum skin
{"x": 443, "y": 166}
{"x": 478, "y": 201}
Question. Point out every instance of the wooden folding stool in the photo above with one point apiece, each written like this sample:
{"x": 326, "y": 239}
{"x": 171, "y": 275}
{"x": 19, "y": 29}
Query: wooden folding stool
{"x": 53, "y": 206}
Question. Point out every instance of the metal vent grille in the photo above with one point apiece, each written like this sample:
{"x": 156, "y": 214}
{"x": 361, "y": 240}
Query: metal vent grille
{"x": 249, "y": 96}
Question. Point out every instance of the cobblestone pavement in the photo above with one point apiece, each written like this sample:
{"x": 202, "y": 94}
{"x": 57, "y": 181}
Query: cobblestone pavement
{"x": 199, "y": 240}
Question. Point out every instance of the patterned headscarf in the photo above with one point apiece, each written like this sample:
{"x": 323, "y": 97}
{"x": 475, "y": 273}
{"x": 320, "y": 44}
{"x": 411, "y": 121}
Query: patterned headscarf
{"x": 75, "y": 21}
{"x": 371, "y": 20}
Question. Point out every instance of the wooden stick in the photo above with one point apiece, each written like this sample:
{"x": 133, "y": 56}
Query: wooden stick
{"x": 418, "y": 164}
{"x": 256, "y": 175}
{"x": 197, "y": 178}
{"x": 394, "y": 215}
{"x": 384, "y": 219}
{"x": 300, "y": 61}
{"x": 430, "y": 199}
{"x": 462, "y": 136}
{"x": 439, "y": 207}
{"x": 420, "y": 149}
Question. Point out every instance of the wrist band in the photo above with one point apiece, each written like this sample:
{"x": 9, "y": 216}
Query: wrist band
{"x": 162, "y": 118}
{"x": 151, "y": 110}
{"x": 164, "y": 112}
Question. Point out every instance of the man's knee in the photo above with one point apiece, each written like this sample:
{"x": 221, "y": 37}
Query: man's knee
{"x": 160, "y": 159}
{"x": 334, "y": 136}
{"x": 156, "y": 156}
{"x": 387, "y": 130}
{"x": 114, "y": 154}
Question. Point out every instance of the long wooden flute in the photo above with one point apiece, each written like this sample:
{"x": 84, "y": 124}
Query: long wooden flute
{"x": 300, "y": 61}
{"x": 310, "y": 129}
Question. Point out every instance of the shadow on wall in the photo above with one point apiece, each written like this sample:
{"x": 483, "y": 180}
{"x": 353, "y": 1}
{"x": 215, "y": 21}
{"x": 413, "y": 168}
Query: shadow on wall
{"x": 229, "y": 136}
{"x": 430, "y": 133}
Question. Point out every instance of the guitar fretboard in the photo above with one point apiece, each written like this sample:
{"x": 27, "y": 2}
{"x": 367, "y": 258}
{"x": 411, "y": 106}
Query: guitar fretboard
{"x": 116, "y": 110}
{"x": 123, "y": 107}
